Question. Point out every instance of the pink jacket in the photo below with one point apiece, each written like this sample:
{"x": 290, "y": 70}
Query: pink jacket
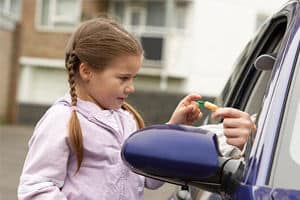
{"x": 50, "y": 165}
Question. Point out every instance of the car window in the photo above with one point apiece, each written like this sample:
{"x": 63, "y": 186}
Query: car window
{"x": 245, "y": 78}
{"x": 240, "y": 67}
{"x": 255, "y": 100}
{"x": 256, "y": 81}
{"x": 235, "y": 74}
{"x": 286, "y": 166}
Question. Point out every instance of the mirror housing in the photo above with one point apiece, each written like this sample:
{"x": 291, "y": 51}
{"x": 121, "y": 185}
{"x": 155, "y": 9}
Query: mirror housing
{"x": 176, "y": 154}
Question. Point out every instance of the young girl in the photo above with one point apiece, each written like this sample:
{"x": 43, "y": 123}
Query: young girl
{"x": 74, "y": 152}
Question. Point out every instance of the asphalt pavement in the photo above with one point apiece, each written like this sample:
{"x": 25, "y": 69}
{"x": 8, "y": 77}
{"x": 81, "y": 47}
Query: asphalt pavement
{"x": 13, "y": 149}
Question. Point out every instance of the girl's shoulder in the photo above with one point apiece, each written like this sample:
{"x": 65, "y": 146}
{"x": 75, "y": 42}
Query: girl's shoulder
{"x": 56, "y": 114}
{"x": 54, "y": 119}
{"x": 53, "y": 126}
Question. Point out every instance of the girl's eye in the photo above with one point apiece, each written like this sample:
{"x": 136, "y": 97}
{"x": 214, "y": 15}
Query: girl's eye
{"x": 124, "y": 78}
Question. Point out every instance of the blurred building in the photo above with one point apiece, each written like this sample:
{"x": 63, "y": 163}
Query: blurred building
{"x": 9, "y": 38}
{"x": 189, "y": 47}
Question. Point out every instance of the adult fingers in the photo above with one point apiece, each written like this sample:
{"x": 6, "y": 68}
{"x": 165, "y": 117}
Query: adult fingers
{"x": 237, "y": 133}
{"x": 230, "y": 113}
{"x": 238, "y": 122}
{"x": 238, "y": 142}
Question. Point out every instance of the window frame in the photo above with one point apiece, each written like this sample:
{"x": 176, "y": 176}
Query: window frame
{"x": 29, "y": 67}
{"x": 282, "y": 155}
{"x": 142, "y": 30}
{"x": 243, "y": 80}
{"x": 149, "y": 31}
{"x": 51, "y": 27}
{"x": 7, "y": 9}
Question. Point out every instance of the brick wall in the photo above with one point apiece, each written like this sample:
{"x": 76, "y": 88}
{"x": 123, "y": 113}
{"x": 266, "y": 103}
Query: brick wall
{"x": 7, "y": 64}
{"x": 35, "y": 43}
{"x": 42, "y": 44}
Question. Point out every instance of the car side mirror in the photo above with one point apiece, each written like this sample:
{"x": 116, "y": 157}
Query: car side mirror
{"x": 176, "y": 154}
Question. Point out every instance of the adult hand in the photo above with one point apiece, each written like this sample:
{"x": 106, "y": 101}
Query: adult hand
{"x": 187, "y": 111}
{"x": 237, "y": 125}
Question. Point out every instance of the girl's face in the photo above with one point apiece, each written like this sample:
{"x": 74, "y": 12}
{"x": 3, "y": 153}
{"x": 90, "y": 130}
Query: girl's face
{"x": 110, "y": 88}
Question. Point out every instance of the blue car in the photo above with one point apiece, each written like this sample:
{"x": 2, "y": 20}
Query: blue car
{"x": 265, "y": 83}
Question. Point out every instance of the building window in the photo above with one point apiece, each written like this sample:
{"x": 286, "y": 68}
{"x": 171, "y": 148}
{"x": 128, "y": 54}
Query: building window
{"x": 58, "y": 14}
{"x": 181, "y": 8}
{"x": 42, "y": 80}
{"x": 10, "y": 8}
{"x": 156, "y": 14}
{"x": 148, "y": 21}
{"x": 153, "y": 47}
{"x": 118, "y": 10}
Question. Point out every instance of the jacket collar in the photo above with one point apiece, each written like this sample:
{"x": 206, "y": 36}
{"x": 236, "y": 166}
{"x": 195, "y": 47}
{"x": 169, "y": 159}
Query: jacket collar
{"x": 95, "y": 114}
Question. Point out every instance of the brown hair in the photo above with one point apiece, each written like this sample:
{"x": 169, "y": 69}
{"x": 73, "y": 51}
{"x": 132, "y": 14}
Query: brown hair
{"x": 96, "y": 42}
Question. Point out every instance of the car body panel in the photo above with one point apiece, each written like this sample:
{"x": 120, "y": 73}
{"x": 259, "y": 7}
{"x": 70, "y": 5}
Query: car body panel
{"x": 269, "y": 121}
{"x": 249, "y": 192}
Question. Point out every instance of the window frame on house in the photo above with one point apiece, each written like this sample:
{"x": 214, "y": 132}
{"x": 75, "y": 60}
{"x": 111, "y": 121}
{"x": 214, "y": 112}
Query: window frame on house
{"x": 181, "y": 14}
{"x": 7, "y": 9}
{"x": 143, "y": 30}
{"x": 53, "y": 19}
{"x": 29, "y": 67}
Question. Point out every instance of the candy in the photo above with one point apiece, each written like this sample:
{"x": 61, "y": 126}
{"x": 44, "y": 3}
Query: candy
{"x": 208, "y": 105}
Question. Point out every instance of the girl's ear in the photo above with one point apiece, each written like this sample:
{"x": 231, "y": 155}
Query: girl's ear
{"x": 85, "y": 72}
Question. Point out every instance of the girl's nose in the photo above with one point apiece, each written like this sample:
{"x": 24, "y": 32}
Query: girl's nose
{"x": 129, "y": 89}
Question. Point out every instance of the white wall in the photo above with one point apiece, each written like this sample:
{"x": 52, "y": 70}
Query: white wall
{"x": 216, "y": 33}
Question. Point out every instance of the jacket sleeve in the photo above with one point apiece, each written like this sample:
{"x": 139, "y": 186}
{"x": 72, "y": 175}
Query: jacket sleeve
{"x": 45, "y": 166}
{"x": 152, "y": 183}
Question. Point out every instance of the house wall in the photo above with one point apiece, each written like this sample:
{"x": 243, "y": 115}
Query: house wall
{"x": 7, "y": 50}
{"x": 49, "y": 44}
{"x": 36, "y": 43}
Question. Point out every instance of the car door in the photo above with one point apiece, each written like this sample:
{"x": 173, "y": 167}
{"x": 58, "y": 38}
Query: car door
{"x": 248, "y": 86}
{"x": 273, "y": 167}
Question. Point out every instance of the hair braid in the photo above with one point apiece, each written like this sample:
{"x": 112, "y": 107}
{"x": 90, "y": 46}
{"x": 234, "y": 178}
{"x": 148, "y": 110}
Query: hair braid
{"x": 138, "y": 118}
{"x": 72, "y": 65}
{"x": 75, "y": 133}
